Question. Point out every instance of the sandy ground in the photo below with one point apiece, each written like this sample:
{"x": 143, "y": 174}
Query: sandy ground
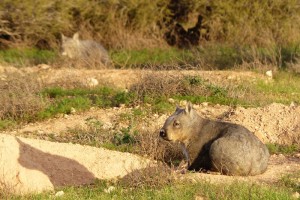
{"x": 29, "y": 165}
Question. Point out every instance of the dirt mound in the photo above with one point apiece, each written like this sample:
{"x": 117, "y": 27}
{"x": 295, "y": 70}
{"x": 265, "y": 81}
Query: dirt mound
{"x": 275, "y": 123}
{"x": 29, "y": 165}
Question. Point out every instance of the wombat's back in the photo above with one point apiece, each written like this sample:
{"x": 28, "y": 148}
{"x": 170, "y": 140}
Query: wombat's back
{"x": 92, "y": 50}
{"x": 238, "y": 152}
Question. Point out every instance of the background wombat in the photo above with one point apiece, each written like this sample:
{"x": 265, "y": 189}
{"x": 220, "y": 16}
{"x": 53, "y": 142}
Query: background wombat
{"x": 218, "y": 146}
{"x": 88, "y": 51}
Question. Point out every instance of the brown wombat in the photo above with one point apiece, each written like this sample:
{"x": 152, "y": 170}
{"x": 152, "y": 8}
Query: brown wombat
{"x": 217, "y": 146}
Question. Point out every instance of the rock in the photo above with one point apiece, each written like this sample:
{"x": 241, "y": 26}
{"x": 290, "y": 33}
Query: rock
{"x": 72, "y": 110}
{"x": 170, "y": 100}
{"x": 122, "y": 105}
{"x": 44, "y": 66}
{"x": 109, "y": 189}
{"x": 92, "y": 82}
{"x": 204, "y": 104}
{"x": 33, "y": 166}
{"x": 269, "y": 73}
{"x": 199, "y": 198}
{"x": 59, "y": 193}
{"x": 296, "y": 195}
{"x": 183, "y": 103}
{"x": 293, "y": 104}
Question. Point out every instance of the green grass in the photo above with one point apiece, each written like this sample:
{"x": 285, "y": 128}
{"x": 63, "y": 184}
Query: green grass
{"x": 27, "y": 56}
{"x": 7, "y": 124}
{"x": 283, "y": 149}
{"x": 151, "y": 57}
{"x": 285, "y": 88}
{"x": 80, "y": 99}
{"x": 292, "y": 181}
{"x": 183, "y": 190}
{"x": 209, "y": 56}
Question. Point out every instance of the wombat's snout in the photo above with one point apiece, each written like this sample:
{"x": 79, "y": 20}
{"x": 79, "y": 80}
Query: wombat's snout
{"x": 162, "y": 133}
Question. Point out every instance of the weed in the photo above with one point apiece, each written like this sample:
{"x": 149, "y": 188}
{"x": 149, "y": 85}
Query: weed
{"x": 65, "y": 106}
{"x": 27, "y": 56}
{"x": 19, "y": 97}
{"x": 157, "y": 89}
{"x": 81, "y": 99}
{"x": 283, "y": 149}
{"x": 125, "y": 136}
{"x": 7, "y": 124}
{"x": 151, "y": 58}
{"x": 163, "y": 190}
{"x": 292, "y": 181}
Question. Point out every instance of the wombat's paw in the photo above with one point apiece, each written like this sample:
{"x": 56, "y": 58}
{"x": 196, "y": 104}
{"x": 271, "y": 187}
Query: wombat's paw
{"x": 183, "y": 164}
{"x": 181, "y": 171}
{"x": 182, "y": 167}
{"x": 213, "y": 172}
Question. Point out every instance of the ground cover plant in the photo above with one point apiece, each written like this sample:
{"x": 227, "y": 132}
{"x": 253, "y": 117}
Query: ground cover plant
{"x": 176, "y": 190}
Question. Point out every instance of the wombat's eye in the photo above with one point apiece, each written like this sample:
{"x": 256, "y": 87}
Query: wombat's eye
{"x": 176, "y": 124}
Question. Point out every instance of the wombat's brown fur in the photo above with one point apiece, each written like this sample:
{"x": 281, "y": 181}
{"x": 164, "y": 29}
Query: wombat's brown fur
{"x": 217, "y": 146}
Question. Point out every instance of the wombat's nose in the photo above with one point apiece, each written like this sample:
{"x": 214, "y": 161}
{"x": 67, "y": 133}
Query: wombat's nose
{"x": 162, "y": 133}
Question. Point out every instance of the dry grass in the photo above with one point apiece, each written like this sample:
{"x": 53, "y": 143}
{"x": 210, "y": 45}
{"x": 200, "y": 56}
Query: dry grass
{"x": 19, "y": 96}
{"x": 295, "y": 66}
{"x": 152, "y": 146}
{"x": 139, "y": 24}
{"x": 151, "y": 177}
{"x": 153, "y": 84}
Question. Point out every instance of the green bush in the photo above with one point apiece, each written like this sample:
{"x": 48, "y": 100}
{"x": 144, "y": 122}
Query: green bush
{"x": 141, "y": 23}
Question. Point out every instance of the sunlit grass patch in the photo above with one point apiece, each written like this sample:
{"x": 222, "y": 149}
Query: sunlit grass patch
{"x": 152, "y": 57}
{"x": 27, "y": 56}
{"x": 283, "y": 149}
{"x": 184, "y": 190}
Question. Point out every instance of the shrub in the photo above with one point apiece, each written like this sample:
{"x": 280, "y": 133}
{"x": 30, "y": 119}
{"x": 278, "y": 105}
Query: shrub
{"x": 20, "y": 97}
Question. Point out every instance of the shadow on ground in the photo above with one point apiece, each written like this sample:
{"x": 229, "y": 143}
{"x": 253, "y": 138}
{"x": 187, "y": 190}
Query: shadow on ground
{"x": 61, "y": 171}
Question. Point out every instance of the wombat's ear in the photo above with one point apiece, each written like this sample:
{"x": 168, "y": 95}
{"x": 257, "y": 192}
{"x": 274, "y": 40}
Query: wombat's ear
{"x": 188, "y": 107}
{"x": 177, "y": 108}
{"x": 63, "y": 37}
{"x": 76, "y": 36}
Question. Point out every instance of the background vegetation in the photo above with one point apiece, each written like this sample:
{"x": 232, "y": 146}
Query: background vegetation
{"x": 233, "y": 32}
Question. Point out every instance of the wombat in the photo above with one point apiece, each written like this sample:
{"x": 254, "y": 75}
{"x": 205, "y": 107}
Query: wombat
{"x": 216, "y": 146}
{"x": 88, "y": 51}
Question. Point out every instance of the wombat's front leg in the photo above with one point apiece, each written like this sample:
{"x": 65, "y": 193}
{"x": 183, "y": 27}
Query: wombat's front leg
{"x": 183, "y": 166}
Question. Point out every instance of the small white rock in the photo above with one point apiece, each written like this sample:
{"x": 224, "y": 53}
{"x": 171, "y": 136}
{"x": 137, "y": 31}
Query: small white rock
{"x": 204, "y": 104}
{"x": 230, "y": 77}
{"x": 296, "y": 195}
{"x": 44, "y": 66}
{"x": 73, "y": 110}
{"x": 109, "y": 189}
{"x": 171, "y": 100}
{"x": 59, "y": 193}
{"x": 293, "y": 104}
{"x": 269, "y": 73}
{"x": 92, "y": 82}
{"x": 183, "y": 103}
